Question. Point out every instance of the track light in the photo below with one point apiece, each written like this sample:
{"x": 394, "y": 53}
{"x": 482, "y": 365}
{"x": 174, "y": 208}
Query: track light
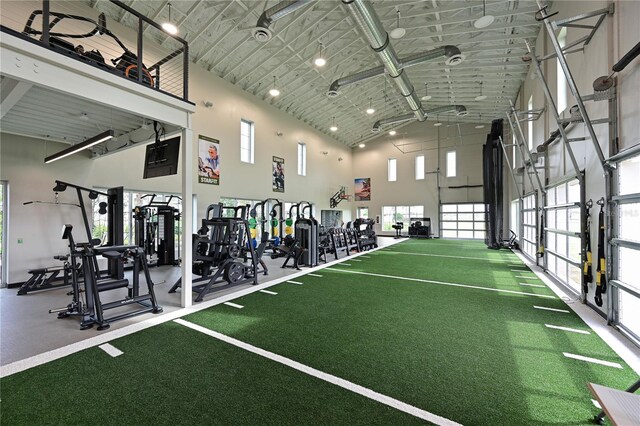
{"x": 274, "y": 89}
{"x": 370, "y": 110}
{"x": 485, "y": 20}
{"x": 333, "y": 127}
{"x": 80, "y": 146}
{"x": 481, "y": 97}
{"x": 426, "y": 96}
{"x": 320, "y": 61}
{"x": 397, "y": 32}
{"x": 168, "y": 26}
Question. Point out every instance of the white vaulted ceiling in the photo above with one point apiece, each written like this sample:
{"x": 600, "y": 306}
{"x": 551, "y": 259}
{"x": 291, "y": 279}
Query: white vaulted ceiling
{"x": 220, "y": 39}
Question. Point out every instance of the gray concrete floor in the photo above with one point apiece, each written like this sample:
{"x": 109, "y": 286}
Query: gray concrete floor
{"x": 27, "y": 329}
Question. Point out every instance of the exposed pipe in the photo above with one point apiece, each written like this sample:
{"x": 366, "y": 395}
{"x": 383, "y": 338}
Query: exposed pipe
{"x": 460, "y": 111}
{"x": 261, "y": 32}
{"x": 371, "y": 28}
{"x": 453, "y": 54}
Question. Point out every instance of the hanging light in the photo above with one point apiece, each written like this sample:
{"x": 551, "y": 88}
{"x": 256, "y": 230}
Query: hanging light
{"x": 274, "y": 90}
{"x": 392, "y": 133}
{"x": 481, "y": 97}
{"x": 426, "y": 96}
{"x": 438, "y": 123}
{"x": 362, "y": 145}
{"x": 333, "y": 127}
{"x": 397, "y": 32}
{"x": 320, "y": 61}
{"x": 480, "y": 126}
{"x": 370, "y": 110}
{"x": 168, "y": 26}
{"x": 485, "y": 20}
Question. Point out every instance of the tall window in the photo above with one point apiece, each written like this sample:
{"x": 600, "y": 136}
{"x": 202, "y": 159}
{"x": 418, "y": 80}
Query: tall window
{"x": 3, "y": 229}
{"x": 419, "y": 167}
{"x": 530, "y": 123}
{"x": 391, "y": 170}
{"x": 451, "y": 164}
{"x": 561, "y": 81}
{"x": 302, "y": 159}
{"x": 246, "y": 141}
{"x": 513, "y": 152}
{"x": 363, "y": 213}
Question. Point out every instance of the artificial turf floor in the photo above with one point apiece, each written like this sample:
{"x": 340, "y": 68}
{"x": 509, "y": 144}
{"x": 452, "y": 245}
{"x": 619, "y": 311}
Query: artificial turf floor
{"x": 472, "y": 355}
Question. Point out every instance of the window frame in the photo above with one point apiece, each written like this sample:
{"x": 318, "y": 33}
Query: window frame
{"x": 251, "y": 148}
{"x": 420, "y": 164}
{"x": 302, "y": 159}
{"x": 391, "y": 178}
{"x": 451, "y": 173}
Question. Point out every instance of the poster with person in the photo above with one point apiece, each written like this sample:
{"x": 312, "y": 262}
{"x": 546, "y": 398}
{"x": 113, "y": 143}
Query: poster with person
{"x": 278, "y": 174}
{"x": 362, "y": 189}
{"x": 208, "y": 160}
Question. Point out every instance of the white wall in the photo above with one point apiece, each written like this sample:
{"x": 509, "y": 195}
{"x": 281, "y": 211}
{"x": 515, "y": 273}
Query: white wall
{"x": 433, "y": 142}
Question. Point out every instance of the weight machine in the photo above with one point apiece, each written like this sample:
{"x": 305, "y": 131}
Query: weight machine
{"x": 155, "y": 230}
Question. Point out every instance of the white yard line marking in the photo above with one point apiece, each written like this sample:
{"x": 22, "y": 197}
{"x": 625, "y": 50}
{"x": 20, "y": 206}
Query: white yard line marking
{"x": 531, "y": 285}
{"x": 573, "y": 330}
{"x": 519, "y": 270}
{"x": 233, "y": 305}
{"x": 295, "y": 282}
{"x": 440, "y": 255}
{"x": 111, "y": 350}
{"x": 343, "y": 264}
{"x": 356, "y": 260}
{"x": 366, "y": 257}
{"x": 443, "y": 283}
{"x": 268, "y": 292}
{"x": 315, "y": 275}
{"x": 526, "y": 278}
{"x": 552, "y": 309}
{"x": 592, "y": 360}
{"x": 345, "y": 384}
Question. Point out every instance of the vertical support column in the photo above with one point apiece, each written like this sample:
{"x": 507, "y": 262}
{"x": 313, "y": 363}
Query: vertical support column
{"x": 187, "y": 214}
{"x": 510, "y": 169}
{"x": 520, "y": 148}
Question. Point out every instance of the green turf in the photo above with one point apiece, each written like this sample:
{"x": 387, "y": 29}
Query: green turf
{"x": 474, "y": 356}
{"x": 171, "y": 375}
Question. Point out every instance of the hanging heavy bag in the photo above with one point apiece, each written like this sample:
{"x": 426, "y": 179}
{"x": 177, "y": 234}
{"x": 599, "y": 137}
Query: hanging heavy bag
{"x": 587, "y": 275}
{"x": 540, "y": 253}
{"x": 601, "y": 270}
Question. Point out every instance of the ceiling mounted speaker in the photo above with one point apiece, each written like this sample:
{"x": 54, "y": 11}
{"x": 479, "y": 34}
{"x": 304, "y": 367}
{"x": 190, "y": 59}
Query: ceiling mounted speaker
{"x": 261, "y": 34}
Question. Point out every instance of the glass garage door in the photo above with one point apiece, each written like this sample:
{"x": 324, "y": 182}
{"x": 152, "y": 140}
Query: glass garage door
{"x": 625, "y": 249}
{"x": 529, "y": 222}
{"x": 563, "y": 242}
{"x": 462, "y": 220}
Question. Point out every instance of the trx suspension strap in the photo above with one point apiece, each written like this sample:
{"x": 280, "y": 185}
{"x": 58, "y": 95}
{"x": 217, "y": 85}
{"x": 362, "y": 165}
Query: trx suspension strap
{"x": 540, "y": 253}
{"x": 587, "y": 275}
{"x": 601, "y": 270}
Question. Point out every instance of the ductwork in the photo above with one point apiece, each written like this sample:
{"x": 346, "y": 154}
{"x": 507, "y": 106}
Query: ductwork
{"x": 460, "y": 111}
{"x": 452, "y": 53}
{"x": 369, "y": 24}
{"x": 261, "y": 32}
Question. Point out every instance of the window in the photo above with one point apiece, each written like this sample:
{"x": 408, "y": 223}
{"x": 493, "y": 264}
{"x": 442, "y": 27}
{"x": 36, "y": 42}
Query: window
{"x": 561, "y": 81}
{"x": 462, "y": 220}
{"x": 246, "y": 141}
{"x": 529, "y": 226}
{"x": 451, "y": 164}
{"x": 419, "y": 167}
{"x": 513, "y": 152}
{"x": 363, "y": 213}
{"x": 530, "y": 123}
{"x": 391, "y": 170}
{"x": 393, "y": 214}
{"x": 302, "y": 159}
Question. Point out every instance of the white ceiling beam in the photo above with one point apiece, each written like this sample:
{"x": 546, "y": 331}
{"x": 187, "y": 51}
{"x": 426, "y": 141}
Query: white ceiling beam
{"x": 11, "y": 91}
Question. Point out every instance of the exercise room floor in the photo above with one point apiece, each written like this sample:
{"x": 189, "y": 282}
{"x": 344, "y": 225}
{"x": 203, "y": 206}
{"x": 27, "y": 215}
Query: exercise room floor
{"x": 438, "y": 331}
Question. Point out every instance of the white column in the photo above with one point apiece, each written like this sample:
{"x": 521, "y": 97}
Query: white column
{"x": 187, "y": 214}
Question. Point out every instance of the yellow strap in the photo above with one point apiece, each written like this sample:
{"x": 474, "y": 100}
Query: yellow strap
{"x": 589, "y": 258}
{"x": 598, "y": 275}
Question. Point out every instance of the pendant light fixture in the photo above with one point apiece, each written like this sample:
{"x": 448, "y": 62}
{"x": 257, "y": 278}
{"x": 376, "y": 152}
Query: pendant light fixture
{"x": 426, "y": 96}
{"x": 392, "y": 132}
{"x": 480, "y": 126}
{"x": 169, "y": 26}
{"x": 485, "y": 20}
{"x": 319, "y": 60}
{"x": 274, "y": 89}
{"x": 481, "y": 97}
{"x": 438, "y": 123}
{"x": 397, "y": 32}
{"x": 370, "y": 110}
{"x": 333, "y": 127}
